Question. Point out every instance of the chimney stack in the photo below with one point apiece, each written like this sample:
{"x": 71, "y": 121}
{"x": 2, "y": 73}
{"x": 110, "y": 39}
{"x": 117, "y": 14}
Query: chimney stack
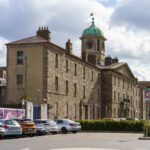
{"x": 44, "y": 33}
{"x": 115, "y": 60}
{"x": 69, "y": 47}
{"x": 108, "y": 60}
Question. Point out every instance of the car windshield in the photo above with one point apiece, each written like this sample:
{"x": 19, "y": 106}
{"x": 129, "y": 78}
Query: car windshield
{"x": 41, "y": 122}
{"x": 52, "y": 122}
{"x": 69, "y": 121}
{"x": 11, "y": 122}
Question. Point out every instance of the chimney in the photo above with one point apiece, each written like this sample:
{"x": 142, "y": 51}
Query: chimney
{"x": 44, "y": 33}
{"x": 115, "y": 60}
{"x": 108, "y": 60}
{"x": 69, "y": 47}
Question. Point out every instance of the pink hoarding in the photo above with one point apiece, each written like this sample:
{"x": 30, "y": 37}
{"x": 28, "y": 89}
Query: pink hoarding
{"x": 9, "y": 113}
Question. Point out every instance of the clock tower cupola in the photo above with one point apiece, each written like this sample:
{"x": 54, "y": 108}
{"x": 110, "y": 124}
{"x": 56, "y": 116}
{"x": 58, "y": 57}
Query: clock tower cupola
{"x": 93, "y": 45}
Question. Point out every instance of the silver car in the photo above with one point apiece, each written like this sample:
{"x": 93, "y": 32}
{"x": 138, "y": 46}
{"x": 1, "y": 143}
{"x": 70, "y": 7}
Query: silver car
{"x": 40, "y": 129}
{"x": 66, "y": 125}
{"x": 1, "y": 130}
{"x": 50, "y": 125}
{"x": 53, "y": 127}
{"x": 10, "y": 127}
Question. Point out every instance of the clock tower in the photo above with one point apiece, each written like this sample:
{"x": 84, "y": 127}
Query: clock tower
{"x": 93, "y": 45}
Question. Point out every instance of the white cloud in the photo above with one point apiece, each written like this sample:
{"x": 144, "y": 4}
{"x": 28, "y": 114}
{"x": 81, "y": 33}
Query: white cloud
{"x": 125, "y": 27}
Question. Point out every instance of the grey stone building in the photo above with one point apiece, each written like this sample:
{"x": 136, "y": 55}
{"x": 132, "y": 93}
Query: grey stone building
{"x": 2, "y": 85}
{"x": 69, "y": 86}
{"x": 121, "y": 96}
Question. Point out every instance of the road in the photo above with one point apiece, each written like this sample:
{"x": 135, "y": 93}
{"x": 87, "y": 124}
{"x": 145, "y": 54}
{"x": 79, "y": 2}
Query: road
{"x": 101, "y": 141}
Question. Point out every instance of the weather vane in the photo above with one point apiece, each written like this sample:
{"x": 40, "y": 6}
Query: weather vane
{"x": 92, "y": 15}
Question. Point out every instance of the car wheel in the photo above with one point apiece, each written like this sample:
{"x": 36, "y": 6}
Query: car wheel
{"x": 64, "y": 130}
{"x": 54, "y": 132}
{"x": 74, "y": 131}
{"x": 1, "y": 136}
{"x": 32, "y": 135}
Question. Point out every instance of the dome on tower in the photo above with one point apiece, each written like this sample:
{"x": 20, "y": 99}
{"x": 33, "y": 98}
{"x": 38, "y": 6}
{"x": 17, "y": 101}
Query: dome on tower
{"x": 92, "y": 30}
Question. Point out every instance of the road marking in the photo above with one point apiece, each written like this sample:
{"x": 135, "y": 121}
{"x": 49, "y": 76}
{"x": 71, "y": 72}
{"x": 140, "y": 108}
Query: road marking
{"x": 83, "y": 149}
{"x": 25, "y": 149}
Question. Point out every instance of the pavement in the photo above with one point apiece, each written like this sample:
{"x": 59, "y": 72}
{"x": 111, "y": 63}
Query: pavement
{"x": 79, "y": 141}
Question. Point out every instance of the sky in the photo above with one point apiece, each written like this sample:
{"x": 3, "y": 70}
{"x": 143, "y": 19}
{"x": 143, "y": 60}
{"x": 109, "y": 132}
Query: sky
{"x": 125, "y": 24}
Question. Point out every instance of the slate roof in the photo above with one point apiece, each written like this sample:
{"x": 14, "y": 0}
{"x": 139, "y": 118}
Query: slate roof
{"x": 113, "y": 66}
{"x": 30, "y": 40}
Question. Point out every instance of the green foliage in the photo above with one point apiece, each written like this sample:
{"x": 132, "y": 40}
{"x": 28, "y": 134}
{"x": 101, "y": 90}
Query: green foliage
{"x": 147, "y": 129}
{"x": 112, "y": 125}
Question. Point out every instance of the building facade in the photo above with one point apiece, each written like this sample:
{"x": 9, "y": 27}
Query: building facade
{"x": 2, "y": 85}
{"x": 41, "y": 71}
{"x": 121, "y": 94}
{"x": 70, "y": 87}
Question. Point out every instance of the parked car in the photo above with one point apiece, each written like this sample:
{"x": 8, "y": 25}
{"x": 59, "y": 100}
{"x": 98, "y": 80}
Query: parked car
{"x": 66, "y": 125}
{"x": 54, "y": 129}
{"x": 10, "y": 128}
{"x": 28, "y": 126}
{"x": 40, "y": 129}
{"x": 50, "y": 125}
{"x": 1, "y": 130}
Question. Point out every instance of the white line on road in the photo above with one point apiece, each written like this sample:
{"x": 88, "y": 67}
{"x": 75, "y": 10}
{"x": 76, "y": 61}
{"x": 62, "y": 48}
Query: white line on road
{"x": 25, "y": 149}
{"x": 83, "y": 149}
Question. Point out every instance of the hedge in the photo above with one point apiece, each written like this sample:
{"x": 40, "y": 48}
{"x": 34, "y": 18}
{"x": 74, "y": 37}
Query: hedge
{"x": 112, "y": 125}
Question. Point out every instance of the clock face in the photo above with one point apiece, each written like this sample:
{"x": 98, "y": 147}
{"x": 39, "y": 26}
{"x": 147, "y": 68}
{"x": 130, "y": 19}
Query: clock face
{"x": 89, "y": 44}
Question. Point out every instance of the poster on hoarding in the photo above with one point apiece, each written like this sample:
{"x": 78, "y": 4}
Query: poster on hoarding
{"x": 9, "y": 113}
{"x": 147, "y": 94}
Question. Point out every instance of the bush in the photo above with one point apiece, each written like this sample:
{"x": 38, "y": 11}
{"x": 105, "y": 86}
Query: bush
{"x": 147, "y": 129}
{"x": 112, "y": 125}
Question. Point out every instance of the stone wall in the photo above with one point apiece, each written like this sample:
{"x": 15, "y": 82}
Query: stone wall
{"x": 120, "y": 95}
{"x": 69, "y": 105}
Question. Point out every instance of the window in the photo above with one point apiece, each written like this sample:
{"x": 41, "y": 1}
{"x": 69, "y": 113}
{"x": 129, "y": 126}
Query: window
{"x": 67, "y": 110}
{"x": 75, "y": 69}
{"x": 118, "y": 96}
{"x": 131, "y": 101}
{"x": 56, "y": 83}
{"x": 59, "y": 121}
{"x": 83, "y": 72}
{"x": 114, "y": 112}
{"x": 66, "y": 87}
{"x": 114, "y": 80}
{"x": 92, "y": 75}
{"x": 83, "y": 91}
{"x": 66, "y": 65}
{"x": 123, "y": 84}
{"x": 128, "y": 85}
{"x": 118, "y": 81}
{"x": 19, "y": 79}
{"x": 123, "y": 96}
{"x": 98, "y": 45}
{"x": 56, "y": 60}
{"x": 75, "y": 111}
{"x": 19, "y": 57}
{"x": 114, "y": 95}
{"x": 75, "y": 89}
